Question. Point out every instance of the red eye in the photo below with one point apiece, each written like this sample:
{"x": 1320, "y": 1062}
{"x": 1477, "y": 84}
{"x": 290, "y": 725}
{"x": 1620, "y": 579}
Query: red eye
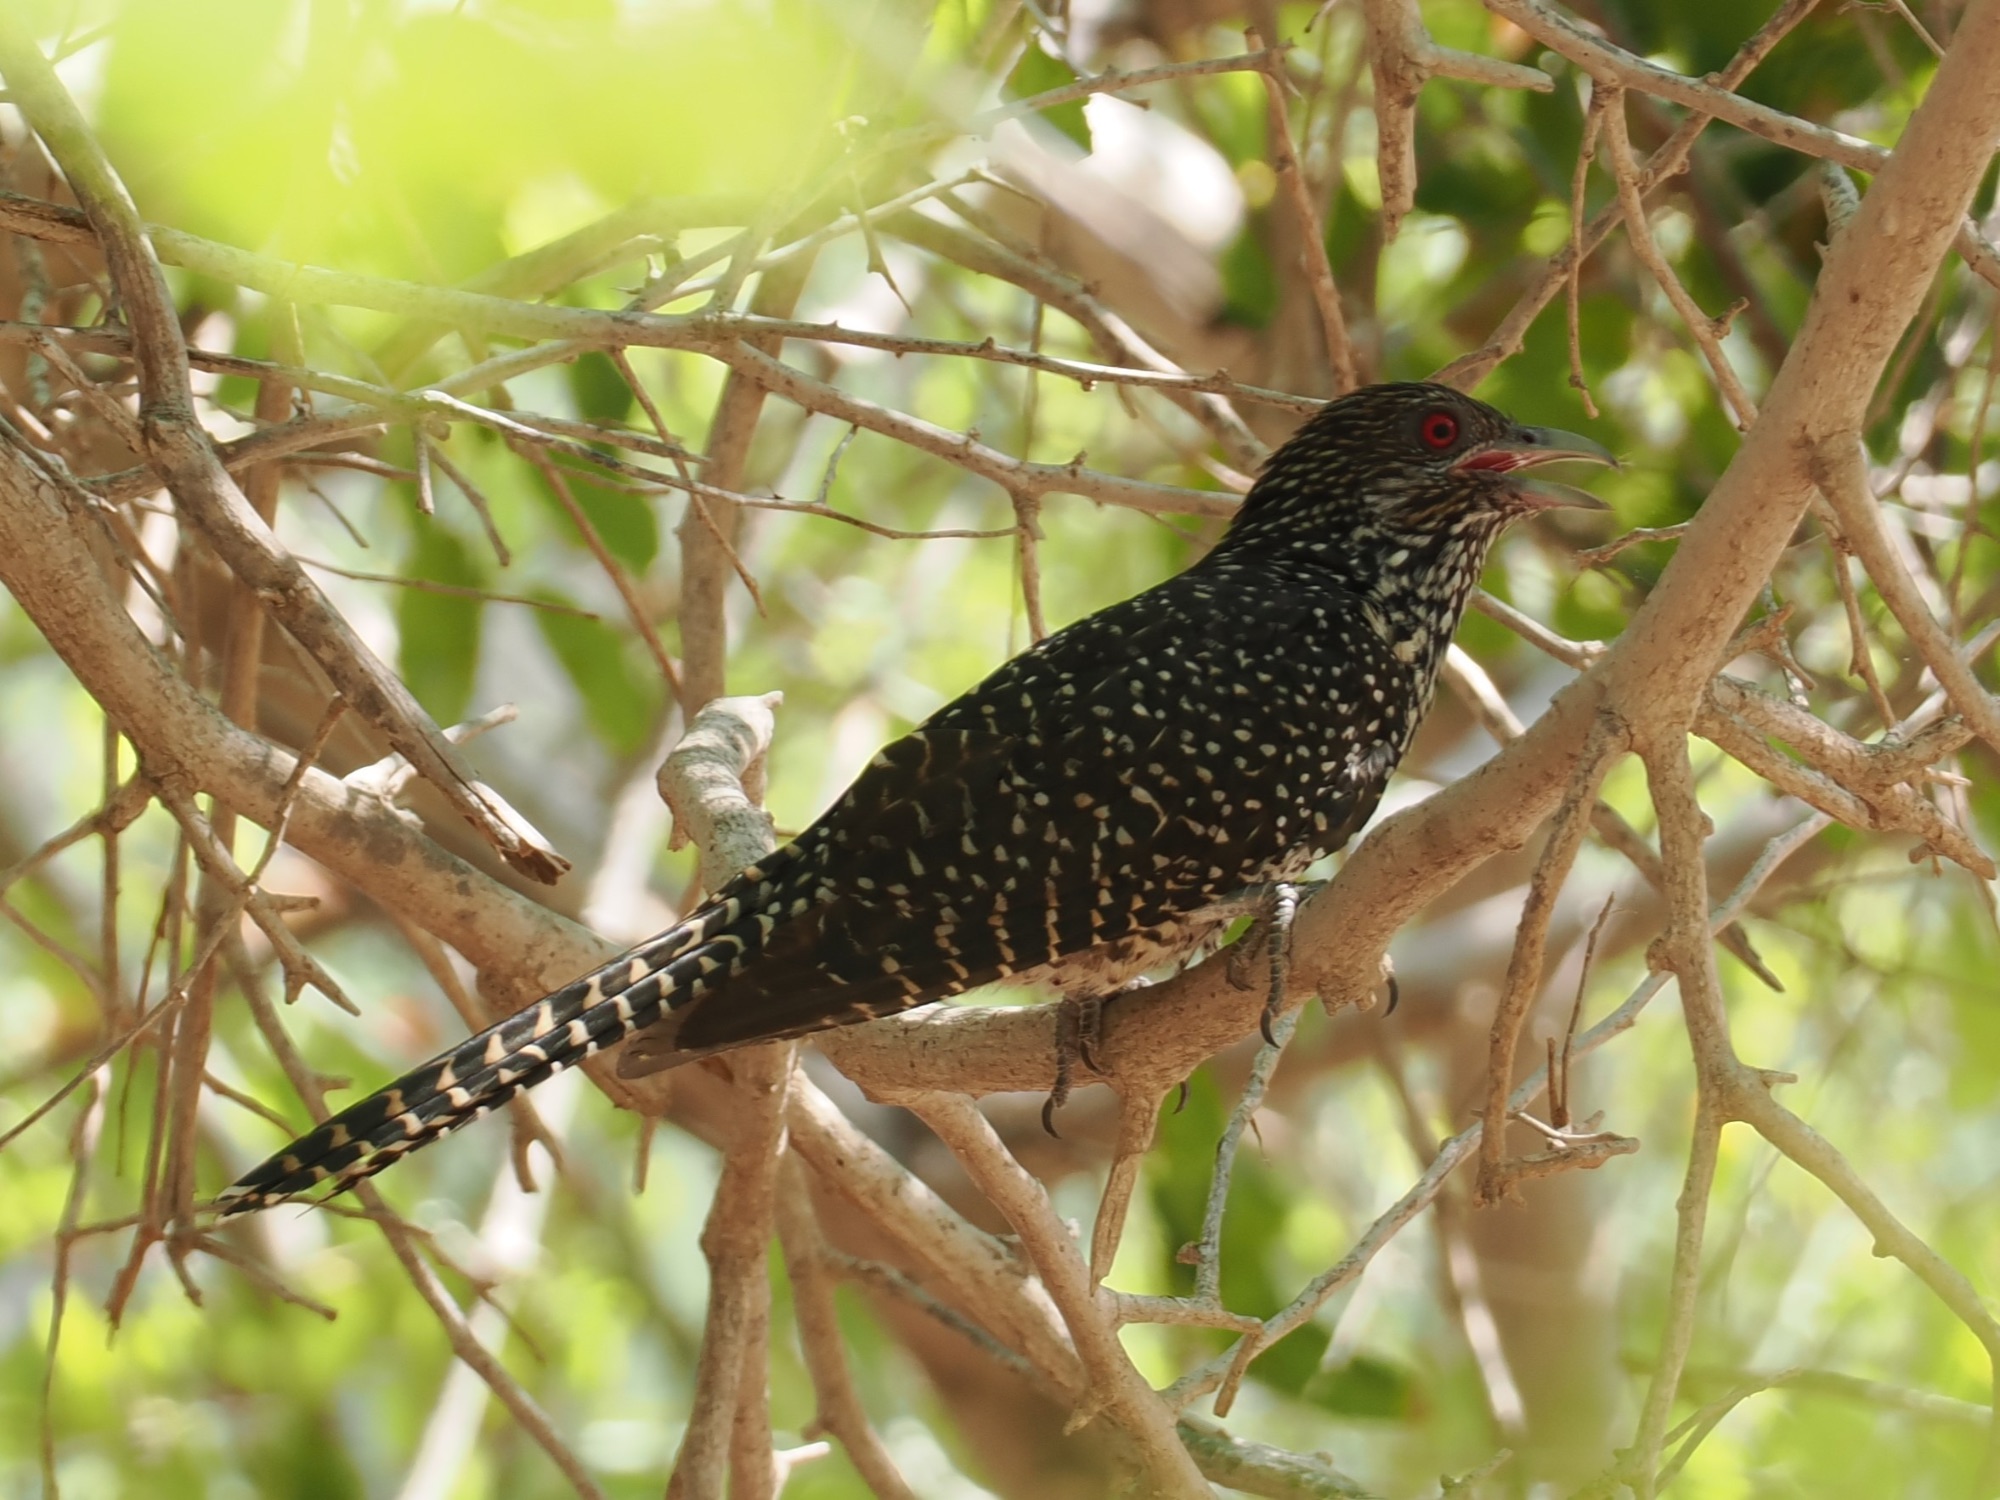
{"x": 1440, "y": 430}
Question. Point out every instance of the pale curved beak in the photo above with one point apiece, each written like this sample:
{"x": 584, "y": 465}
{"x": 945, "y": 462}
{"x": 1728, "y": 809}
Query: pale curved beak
{"x": 1530, "y": 447}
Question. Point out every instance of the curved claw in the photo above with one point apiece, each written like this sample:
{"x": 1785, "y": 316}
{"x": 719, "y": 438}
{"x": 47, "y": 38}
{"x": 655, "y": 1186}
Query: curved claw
{"x": 1079, "y": 1028}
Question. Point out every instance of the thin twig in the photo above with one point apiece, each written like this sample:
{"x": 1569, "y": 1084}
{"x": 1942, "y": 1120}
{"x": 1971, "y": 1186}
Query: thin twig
{"x": 1559, "y": 1079}
{"x": 1841, "y": 473}
{"x": 840, "y": 1411}
{"x": 82, "y": 1151}
{"x": 635, "y": 611}
{"x": 1701, "y": 328}
{"x": 1593, "y": 122}
{"x": 1525, "y": 966}
{"x": 1312, "y": 236}
{"x": 1116, "y": 1390}
{"x": 451, "y": 590}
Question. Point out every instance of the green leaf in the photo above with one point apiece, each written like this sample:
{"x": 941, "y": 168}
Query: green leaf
{"x": 1365, "y": 1386}
{"x": 619, "y": 702}
{"x": 1039, "y": 71}
{"x": 439, "y": 647}
{"x": 1291, "y": 1364}
{"x": 1249, "y": 289}
{"x": 625, "y": 522}
{"x": 601, "y": 392}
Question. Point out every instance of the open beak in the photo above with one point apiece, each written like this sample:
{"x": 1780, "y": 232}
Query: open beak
{"x": 1529, "y": 447}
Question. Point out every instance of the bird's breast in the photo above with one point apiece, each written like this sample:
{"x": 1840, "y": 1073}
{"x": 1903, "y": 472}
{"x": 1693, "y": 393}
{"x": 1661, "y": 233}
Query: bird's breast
{"x": 1110, "y": 967}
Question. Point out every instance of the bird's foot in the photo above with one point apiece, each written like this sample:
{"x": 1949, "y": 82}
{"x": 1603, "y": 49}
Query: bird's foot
{"x": 1237, "y": 967}
{"x": 1079, "y": 1030}
{"x": 1283, "y": 907}
{"x": 1271, "y": 934}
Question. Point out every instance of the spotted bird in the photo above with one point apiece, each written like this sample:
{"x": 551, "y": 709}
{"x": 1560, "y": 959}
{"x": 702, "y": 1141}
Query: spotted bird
{"x": 1095, "y": 809}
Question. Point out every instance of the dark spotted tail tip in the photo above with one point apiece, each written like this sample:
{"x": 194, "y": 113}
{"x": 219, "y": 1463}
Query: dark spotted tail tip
{"x": 281, "y": 1179}
{"x": 238, "y": 1199}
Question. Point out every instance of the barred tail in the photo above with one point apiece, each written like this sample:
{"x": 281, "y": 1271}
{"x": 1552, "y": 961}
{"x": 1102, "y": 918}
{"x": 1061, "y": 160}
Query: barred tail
{"x": 478, "y": 1076}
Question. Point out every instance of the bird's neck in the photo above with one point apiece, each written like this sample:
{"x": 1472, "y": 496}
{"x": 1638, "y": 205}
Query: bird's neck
{"x": 1413, "y": 586}
{"x": 1418, "y": 606}
{"x": 1429, "y": 577}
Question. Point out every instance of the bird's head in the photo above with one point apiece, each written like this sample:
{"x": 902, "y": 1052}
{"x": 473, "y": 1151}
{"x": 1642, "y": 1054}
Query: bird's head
{"x": 1411, "y": 463}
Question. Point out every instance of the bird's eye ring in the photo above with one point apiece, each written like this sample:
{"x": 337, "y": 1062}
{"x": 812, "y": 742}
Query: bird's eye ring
{"x": 1440, "y": 430}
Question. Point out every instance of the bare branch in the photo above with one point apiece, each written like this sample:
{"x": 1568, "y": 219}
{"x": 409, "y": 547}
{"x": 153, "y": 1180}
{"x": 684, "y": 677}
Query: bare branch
{"x": 1840, "y": 469}
{"x": 840, "y": 1409}
{"x": 1405, "y": 58}
{"x": 714, "y": 781}
{"x": 1703, "y": 330}
{"x": 1525, "y": 967}
{"x": 1116, "y": 1390}
{"x": 175, "y": 443}
{"x": 1312, "y": 236}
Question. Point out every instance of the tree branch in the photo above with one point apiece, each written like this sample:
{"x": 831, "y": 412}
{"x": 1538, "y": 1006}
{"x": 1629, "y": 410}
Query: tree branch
{"x": 178, "y": 447}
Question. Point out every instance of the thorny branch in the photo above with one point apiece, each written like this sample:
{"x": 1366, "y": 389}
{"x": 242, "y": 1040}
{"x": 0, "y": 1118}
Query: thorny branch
{"x": 711, "y": 781}
{"x": 1311, "y": 234}
{"x": 208, "y": 497}
{"x": 1527, "y": 966}
{"x": 1731, "y": 1090}
{"x": 1405, "y": 57}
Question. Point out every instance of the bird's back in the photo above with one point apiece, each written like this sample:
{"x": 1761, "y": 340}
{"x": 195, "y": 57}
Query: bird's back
{"x": 1220, "y": 730}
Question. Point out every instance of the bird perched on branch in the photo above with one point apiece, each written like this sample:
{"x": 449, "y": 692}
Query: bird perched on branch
{"x": 1099, "y": 807}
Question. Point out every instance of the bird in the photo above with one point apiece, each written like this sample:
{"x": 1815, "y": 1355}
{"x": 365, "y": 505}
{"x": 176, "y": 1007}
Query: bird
{"x": 1099, "y": 808}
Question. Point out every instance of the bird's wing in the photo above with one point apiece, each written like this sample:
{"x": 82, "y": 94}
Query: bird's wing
{"x": 1127, "y": 771}
{"x": 852, "y": 882}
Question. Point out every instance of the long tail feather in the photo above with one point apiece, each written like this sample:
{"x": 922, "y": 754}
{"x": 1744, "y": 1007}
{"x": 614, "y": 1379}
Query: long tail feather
{"x": 481, "y": 1074}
